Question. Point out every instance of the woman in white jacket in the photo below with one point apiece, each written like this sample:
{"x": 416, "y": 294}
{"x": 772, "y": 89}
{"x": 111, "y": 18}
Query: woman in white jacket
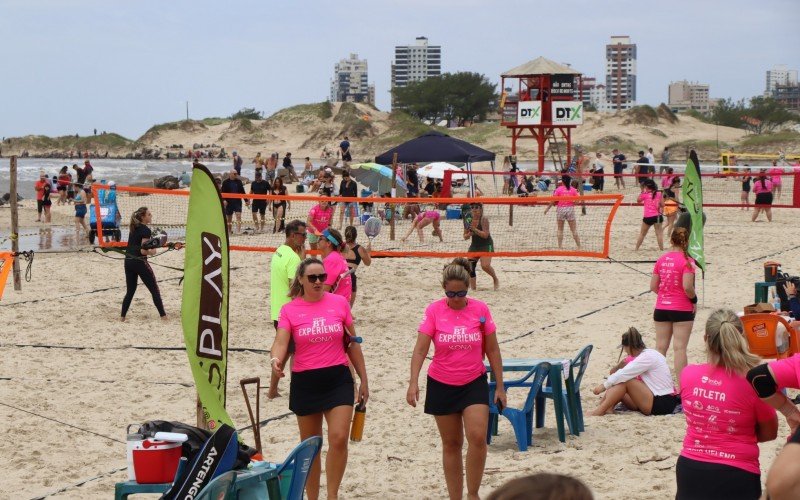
{"x": 644, "y": 384}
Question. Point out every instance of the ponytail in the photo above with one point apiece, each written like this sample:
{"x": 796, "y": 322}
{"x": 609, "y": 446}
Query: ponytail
{"x": 296, "y": 288}
{"x": 136, "y": 218}
{"x": 726, "y": 344}
{"x": 458, "y": 270}
{"x": 680, "y": 238}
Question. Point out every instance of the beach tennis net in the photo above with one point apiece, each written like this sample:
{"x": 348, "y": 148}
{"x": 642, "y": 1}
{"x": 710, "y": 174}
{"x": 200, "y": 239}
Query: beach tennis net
{"x": 518, "y": 226}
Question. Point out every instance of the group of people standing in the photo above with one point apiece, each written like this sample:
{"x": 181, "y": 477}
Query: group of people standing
{"x": 78, "y": 193}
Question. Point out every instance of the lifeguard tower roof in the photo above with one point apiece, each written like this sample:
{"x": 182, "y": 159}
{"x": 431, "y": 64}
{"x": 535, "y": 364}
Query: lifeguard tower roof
{"x": 540, "y": 66}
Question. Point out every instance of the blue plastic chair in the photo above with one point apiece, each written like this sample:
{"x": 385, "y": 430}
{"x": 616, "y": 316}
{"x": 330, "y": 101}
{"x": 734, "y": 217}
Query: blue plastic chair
{"x": 571, "y": 394}
{"x": 521, "y": 419}
{"x": 299, "y": 463}
{"x": 220, "y": 488}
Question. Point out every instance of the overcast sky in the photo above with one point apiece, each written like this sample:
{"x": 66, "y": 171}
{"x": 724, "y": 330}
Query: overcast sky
{"x": 72, "y": 66}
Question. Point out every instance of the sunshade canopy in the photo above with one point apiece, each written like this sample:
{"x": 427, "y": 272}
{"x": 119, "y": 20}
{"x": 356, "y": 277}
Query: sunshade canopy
{"x": 435, "y": 146}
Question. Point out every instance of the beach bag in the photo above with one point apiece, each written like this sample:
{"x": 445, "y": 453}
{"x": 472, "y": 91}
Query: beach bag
{"x": 197, "y": 439}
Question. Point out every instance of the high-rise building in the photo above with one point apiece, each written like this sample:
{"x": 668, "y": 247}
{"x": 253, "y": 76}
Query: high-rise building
{"x": 621, "y": 73}
{"x": 779, "y": 75}
{"x": 594, "y": 94}
{"x": 685, "y": 95}
{"x": 415, "y": 63}
{"x": 350, "y": 82}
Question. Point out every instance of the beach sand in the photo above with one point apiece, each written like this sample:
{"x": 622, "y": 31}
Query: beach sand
{"x": 95, "y": 378}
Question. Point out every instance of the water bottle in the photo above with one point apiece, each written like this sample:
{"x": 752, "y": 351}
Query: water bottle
{"x": 781, "y": 340}
{"x": 359, "y": 416}
{"x": 776, "y": 301}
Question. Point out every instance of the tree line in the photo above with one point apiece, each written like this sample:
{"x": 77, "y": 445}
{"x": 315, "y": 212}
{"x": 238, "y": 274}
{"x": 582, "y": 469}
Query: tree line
{"x": 458, "y": 97}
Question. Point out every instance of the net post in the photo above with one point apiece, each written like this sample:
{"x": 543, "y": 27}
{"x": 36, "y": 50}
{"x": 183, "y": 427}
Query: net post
{"x": 796, "y": 190}
{"x": 511, "y": 215}
{"x": 14, "y": 223}
{"x": 394, "y": 191}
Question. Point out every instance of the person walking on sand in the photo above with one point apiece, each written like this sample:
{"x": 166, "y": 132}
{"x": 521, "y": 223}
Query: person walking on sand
{"x": 344, "y": 149}
{"x": 462, "y": 331}
{"x": 331, "y": 245}
{"x": 42, "y": 185}
{"x": 237, "y": 163}
{"x": 322, "y": 386}
{"x": 136, "y": 265}
{"x": 279, "y": 207}
{"x": 282, "y": 270}
{"x": 63, "y": 185}
{"x": 319, "y": 219}
{"x": 233, "y": 185}
{"x": 348, "y": 188}
{"x": 676, "y": 301}
{"x": 80, "y": 211}
{"x": 619, "y": 165}
{"x": 480, "y": 241}
{"x": 259, "y": 206}
{"x": 565, "y": 211}
{"x": 653, "y": 202}
{"x": 745, "y": 196}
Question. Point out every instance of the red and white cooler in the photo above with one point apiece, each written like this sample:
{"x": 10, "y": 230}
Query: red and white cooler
{"x": 152, "y": 461}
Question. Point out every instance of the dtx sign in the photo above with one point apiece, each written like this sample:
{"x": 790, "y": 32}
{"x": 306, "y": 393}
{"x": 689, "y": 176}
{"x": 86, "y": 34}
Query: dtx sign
{"x": 529, "y": 113}
{"x": 567, "y": 112}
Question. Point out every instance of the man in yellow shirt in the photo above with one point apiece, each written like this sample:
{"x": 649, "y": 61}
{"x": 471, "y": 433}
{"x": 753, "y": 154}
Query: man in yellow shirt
{"x": 282, "y": 270}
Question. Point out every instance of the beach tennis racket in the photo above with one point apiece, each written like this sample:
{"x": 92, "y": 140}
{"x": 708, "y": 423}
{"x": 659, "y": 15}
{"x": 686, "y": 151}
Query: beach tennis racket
{"x": 467, "y": 218}
{"x": 372, "y": 227}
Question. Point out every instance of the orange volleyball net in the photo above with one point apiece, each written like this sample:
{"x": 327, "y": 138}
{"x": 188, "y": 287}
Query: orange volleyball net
{"x": 411, "y": 227}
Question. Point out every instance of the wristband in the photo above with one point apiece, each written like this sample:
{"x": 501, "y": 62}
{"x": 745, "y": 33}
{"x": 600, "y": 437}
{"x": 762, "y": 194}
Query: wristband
{"x": 273, "y": 360}
{"x": 693, "y": 300}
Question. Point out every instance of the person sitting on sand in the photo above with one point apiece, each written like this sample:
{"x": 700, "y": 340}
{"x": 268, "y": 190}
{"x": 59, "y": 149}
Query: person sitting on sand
{"x": 654, "y": 394}
{"x": 423, "y": 219}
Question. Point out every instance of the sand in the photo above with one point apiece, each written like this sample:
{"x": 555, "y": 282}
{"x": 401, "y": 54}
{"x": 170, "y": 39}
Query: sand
{"x": 95, "y": 379}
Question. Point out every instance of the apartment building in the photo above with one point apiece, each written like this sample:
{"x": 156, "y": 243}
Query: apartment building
{"x": 684, "y": 95}
{"x": 350, "y": 81}
{"x": 621, "y": 73}
{"x": 415, "y": 63}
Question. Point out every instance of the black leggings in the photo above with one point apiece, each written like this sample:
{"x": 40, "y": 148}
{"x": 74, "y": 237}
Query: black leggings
{"x": 135, "y": 269}
{"x": 706, "y": 480}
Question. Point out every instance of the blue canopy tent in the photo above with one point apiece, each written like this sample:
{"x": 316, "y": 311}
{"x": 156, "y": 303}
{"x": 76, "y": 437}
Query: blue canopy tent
{"x": 436, "y": 146}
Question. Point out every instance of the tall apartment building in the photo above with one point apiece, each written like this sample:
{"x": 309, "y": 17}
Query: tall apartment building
{"x": 779, "y": 75}
{"x": 685, "y": 95}
{"x": 621, "y": 73}
{"x": 350, "y": 82}
{"x": 415, "y": 63}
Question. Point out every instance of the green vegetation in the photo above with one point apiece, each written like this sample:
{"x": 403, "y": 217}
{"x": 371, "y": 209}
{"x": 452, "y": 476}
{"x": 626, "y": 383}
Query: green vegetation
{"x": 325, "y": 110}
{"x": 213, "y": 121}
{"x": 479, "y": 133}
{"x": 697, "y": 115}
{"x": 609, "y": 142}
{"x": 641, "y": 115}
{"x": 248, "y": 114}
{"x": 102, "y": 142}
{"x": 657, "y": 132}
{"x": 459, "y": 96}
{"x": 665, "y": 113}
{"x": 761, "y": 115}
{"x": 784, "y": 136}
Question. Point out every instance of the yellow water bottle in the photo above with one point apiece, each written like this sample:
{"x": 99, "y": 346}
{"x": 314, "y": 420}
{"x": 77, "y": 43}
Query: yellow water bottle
{"x": 359, "y": 416}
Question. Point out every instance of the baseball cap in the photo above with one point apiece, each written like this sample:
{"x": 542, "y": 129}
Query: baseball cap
{"x": 111, "y": 183}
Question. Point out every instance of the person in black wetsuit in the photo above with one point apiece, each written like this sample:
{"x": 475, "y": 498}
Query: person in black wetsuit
{"x": 136, "y": 265}
{"x": 262, "y": 187}
{"x": 355, "y": 254}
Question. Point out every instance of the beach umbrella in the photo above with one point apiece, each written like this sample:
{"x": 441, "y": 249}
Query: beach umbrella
{"x": 437, "y": 169}
{"x": 377, "y": 178}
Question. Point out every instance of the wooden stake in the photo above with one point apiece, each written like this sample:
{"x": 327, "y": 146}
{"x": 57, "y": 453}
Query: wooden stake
{"x": 15, "y": 224}
{"x": 394, "y": 190}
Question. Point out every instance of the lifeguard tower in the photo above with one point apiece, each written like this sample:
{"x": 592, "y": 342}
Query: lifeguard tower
{"x": 545, "y": 103}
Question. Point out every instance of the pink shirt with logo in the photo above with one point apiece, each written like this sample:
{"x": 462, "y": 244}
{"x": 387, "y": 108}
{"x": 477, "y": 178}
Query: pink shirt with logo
{"x": 787, "y": 372}
{"x": 321, "y": 217}
{"x": 758, "y": 188}
{"x": 721, "y": 412}
{"x": 670, "y": 269}
{"x": 336, "y": 265}
{"x": 651, "y": 203}
{"x": 565, "y": 191}
{"x": 317, "y": 329}
{"x": 457, "y": 339}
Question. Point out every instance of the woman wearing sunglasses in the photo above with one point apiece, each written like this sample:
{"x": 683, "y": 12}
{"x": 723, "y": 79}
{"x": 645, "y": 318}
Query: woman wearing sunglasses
{"x": 478, "y": 230}
{"x": 320, "y": 324}
{"x": 462, "y": 331}
{"x": 339, "y": 279}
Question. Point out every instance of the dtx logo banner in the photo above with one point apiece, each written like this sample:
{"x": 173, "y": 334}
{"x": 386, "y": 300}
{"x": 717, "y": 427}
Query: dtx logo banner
{"x": 568, "y": 112}
{"x": 529, "y": 113}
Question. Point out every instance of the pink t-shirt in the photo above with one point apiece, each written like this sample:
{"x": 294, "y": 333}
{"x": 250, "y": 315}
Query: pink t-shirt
{"x": 318, "y": 331}
{"x": 336, "y": 265}
{"x": 667, "y": 180}
{"x": 651, "y": 203}
{"x": 721, "y": 412}
{"x": 776, "y": 175}
{"x": 670, "y": 269}
{"x": 565, "y": 191}
{"x": 457, "y": 339}
{"x": 321, "y": 217}
{"x": 787, "y": 372}
{"x": 758, "y": 188}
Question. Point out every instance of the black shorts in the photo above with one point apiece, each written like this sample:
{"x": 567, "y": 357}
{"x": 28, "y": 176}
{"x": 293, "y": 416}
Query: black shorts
{"x": 665, "y": 405}
{"x": 708, "y": 480}
{"x": 316, "y": 391}
{"x": 259, "y": 206}
{"x": 656, "y": 219}
{"x": 39, "y": 206}
{"x": 618, "y": 171}
{"x": 445, "y": 399}
{"x": 61, "y": 188}
{"x": 668, "y": 316}
{"x": 347, "y": 157}
{"x": 232, "y": 207}
{"x": 764, "y": 199}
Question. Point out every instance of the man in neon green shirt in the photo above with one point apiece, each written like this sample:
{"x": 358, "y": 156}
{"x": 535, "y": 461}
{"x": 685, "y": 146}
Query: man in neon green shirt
{"x": 282, "y": 270}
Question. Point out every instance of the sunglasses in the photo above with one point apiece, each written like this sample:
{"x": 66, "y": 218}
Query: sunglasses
{"x": 461, "y": 294}
{"x": 313, "y": 278}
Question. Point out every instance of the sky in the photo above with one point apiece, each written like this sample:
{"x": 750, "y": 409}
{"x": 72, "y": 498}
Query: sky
{"x": 72, "y": 66}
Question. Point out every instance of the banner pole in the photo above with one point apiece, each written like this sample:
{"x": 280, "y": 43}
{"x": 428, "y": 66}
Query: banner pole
{"x": 14, "y": 224}
{"x": 393, "y": 193}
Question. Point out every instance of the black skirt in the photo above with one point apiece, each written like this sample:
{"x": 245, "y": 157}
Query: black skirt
{"x": 445, "y": 399}
{"x": 764, "y": 199}
{"x": 316, "y": 391}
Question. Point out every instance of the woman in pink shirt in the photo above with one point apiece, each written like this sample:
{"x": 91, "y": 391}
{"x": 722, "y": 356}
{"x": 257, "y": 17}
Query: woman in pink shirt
{"x": 320, "y": 324}
{"x": 676, "y": 300}
{"x": 331, "y": 246}
{"x": 462, "y": 331}
{"x": 565, "y": 210}
{"x": 762, "y": 187}
{"x": 422, "y": 220}
{"x": 725, "y": 420}
{"x": 775, "y": 176}
{"x": 319, "y": 219}
{"x": 653, "y": 202}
